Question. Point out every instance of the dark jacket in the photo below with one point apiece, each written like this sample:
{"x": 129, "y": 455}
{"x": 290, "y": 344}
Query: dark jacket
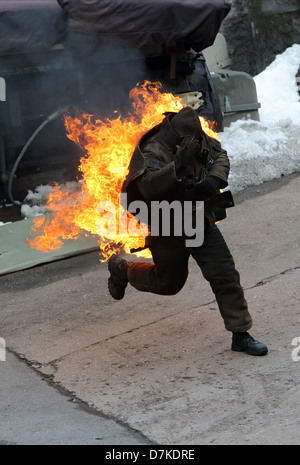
{"x": 152, "y": 174}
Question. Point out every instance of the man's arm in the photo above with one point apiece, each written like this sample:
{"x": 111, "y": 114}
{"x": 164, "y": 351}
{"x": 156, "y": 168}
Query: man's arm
{"x": 215, "y": 179}
{"x": 220, "y": 168}
{"x": 165, "y": 182}
{"x": 160, "y": 184}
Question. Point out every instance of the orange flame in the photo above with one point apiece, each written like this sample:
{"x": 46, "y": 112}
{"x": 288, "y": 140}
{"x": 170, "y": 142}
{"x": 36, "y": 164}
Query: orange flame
{"x": 109, "y": 145}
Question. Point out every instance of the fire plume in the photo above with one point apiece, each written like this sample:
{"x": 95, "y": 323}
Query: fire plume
{"x": 108, "y": 145}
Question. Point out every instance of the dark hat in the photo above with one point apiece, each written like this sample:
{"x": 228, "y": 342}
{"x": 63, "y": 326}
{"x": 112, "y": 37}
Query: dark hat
{"x": 186, "y": 123}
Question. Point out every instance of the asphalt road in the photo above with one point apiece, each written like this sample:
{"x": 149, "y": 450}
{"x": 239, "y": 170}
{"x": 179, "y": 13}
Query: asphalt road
{"x": 83, "y": 369}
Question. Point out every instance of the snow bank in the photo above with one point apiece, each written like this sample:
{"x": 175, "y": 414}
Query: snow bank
{"x": 265, "y": 150}
{"x": 34, "y": 202}
{"x": 277, "y": 89}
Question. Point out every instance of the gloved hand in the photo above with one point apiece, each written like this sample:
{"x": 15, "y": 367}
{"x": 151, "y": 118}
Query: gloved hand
{"x": 207, "y": 188}
{"x": 186, "y": 156}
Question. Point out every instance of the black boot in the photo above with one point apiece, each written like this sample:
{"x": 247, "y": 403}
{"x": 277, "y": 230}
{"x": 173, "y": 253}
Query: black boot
{"x": 243, "y": 342}
{"x": 118, "y": 280}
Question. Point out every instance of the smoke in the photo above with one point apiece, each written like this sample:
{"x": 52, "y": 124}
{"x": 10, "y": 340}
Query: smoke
{"x": 105, "y": 72}
{"x": 55, "y": 67}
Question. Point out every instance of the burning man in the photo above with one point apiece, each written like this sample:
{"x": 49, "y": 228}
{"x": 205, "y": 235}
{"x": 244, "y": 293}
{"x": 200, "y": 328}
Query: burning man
{"x": 176, "y": 160}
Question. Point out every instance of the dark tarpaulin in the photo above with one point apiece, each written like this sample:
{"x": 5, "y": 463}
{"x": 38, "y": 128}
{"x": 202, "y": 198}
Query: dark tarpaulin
{"x": 30, "y": 25}
{"x": 140, "y": 23}
{"x": 36, "y": 25}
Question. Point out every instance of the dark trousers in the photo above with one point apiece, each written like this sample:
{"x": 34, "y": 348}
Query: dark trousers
{"x": 169, "y": 272}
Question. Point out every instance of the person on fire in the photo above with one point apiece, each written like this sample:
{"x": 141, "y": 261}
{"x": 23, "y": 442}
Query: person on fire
{"x": 177, "y": 160}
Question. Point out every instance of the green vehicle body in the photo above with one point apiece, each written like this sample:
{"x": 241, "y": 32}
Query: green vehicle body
{"x": 236, "y": 89}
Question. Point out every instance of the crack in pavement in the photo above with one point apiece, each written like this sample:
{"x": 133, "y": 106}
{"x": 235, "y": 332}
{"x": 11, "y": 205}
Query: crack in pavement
{"x": 72, "y": 397}
{"x": 272, "y": 277}
{"x": 53, "y": 362}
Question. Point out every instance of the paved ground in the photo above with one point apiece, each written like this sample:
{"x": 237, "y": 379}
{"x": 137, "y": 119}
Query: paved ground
{"x": 158, "y": 369}
{"x": 33, "y": 412}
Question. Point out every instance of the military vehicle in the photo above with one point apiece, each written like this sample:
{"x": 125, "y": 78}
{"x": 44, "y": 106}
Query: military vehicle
{"x": 53, "y": 58}
{"x": 236, "y": 89}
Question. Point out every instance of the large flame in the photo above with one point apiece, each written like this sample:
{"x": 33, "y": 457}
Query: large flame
{"x": 109, "y": 145}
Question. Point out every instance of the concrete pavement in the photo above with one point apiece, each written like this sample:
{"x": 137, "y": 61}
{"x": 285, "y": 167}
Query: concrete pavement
{"x": 162, "y": 366}
{"x": 34, "y": 413}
